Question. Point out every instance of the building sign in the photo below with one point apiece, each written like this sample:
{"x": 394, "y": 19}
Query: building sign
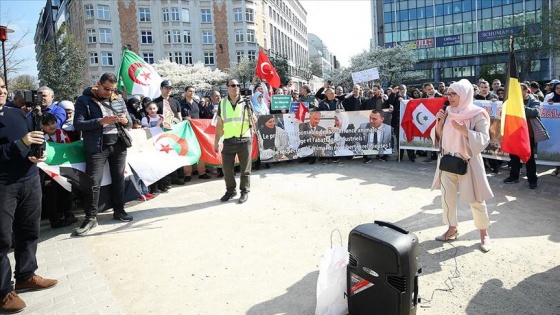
{"x": 425, "y": 43}
{"x": 448, "y": 40}
{"x": 504, "y": 33}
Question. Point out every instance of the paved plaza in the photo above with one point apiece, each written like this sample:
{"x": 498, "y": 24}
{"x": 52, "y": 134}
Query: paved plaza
{"x": 188, "y": 253}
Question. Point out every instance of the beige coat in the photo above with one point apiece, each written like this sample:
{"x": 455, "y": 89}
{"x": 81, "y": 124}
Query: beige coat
{"x": 474, "y": 184}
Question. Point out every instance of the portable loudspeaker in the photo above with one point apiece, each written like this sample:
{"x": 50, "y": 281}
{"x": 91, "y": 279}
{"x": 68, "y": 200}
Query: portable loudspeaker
{"x": 382, "y": 276}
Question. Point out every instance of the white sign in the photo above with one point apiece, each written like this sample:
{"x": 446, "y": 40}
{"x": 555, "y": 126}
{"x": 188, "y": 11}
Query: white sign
{"x": 365, "y": 75}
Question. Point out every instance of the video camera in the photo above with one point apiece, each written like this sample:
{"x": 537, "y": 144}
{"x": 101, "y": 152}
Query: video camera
{"x": 32, "y": 98}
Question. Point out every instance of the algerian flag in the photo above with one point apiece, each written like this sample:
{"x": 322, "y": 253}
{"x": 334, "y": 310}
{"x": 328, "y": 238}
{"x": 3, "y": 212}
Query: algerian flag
{"x": 423, "y": 118}
{"x": 138, "y": 77}
{"x": 66, "y": 164}
{"x": 156, "y": 153}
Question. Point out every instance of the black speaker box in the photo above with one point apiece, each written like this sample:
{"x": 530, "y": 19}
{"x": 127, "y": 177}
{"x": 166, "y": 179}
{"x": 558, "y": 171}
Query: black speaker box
{"x": 382, "y": 276}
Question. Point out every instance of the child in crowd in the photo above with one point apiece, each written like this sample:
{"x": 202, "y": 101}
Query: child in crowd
{"x": 57, "y": 201}
{"x": 153, "y": 119}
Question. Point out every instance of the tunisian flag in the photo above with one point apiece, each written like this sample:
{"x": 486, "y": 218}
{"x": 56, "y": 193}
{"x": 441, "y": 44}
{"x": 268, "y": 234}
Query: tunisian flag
{"x": 514, "y": 124}
{"x": 301, "y": 112}
{"x": 266, "y": 71}
{"x": 419, "y": 117}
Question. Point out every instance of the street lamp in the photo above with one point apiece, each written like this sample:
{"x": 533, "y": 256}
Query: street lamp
{"x": 3, "y": 37}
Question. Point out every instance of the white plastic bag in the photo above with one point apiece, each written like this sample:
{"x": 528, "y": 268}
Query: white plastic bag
{"x": 331, "y": 284}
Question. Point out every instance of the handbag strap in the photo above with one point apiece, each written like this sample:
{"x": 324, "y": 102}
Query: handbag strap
{"x": 100, "y": 103}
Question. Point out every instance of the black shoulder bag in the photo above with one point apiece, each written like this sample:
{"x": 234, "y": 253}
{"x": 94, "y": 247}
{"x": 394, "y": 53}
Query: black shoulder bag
{"x": 451, "y": 163}
{"x": 121, "y": 132}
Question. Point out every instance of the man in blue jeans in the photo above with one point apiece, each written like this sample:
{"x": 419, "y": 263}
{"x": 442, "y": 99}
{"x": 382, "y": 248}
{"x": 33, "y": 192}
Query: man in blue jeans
{"x": 97, "y": 113}
{"x": 20, "y": 205}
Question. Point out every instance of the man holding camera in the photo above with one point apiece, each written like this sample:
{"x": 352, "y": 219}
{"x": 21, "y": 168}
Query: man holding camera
{"x": 98, "y": 111}
{"x": 46, "y": 96}
{"x": 234, "y": 123}
{"x": 20, "y": 205}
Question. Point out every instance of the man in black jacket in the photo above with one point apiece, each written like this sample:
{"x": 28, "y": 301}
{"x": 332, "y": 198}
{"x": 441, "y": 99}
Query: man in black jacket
{"x": 98, "y": 111}
{"x": 354, "y": 101}
{"x": 20, "y": 205}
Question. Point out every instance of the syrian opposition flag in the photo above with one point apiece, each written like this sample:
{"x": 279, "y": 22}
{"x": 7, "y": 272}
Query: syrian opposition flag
{"x": 266, "y": 71}
{"x": 156, "y": 153}
{"x": 66, "y": 164}
{"x": 138, "y": 77}
{"x": 419, "y": 117}
{"x": 513, "y": 121}
{"x": 205, "y": 133}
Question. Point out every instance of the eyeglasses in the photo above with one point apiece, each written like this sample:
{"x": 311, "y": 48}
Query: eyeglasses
{"x": 234, "y": 85}
{"x": 451, "y": 94}
{"x": 108, "y": 89}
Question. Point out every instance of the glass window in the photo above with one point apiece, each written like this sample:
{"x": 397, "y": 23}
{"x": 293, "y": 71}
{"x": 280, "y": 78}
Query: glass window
{"x": 388, "y": 37}
{"x": 403, "y": 25}
{"x": 387, "y": 7}
{"x": 448, "y": 30}
{"x": 421, "y": 13}
{"x": 144, "y": 14}
{"x": 413, "y": 34}
{"x": 239, "y": 54}
{"x": 238, "y": 14}
{"x": 93, "y": 59}
{"x": 170, "y": 57}
{"x": 439, "y": 21}
{"x": 469, "y": 49}
{"x": 486, "y": 14}
{"x": 207, "y": 37}
{"x": 205, "y": 16}
{"x": 430, "y": 32}
{"x": 186, "y": 37}
{"x": 535, "y": 65}
{"x": 249, "y": 15}
{"x": 467, "y": 38}
{"x": 251, "y": 36}
{"x": 239, "y": 36}
{"x": 530, "y": 17}
{"x": 518, "y": 20}
{"x": 486, "y": 25}
{"x": 105, "y": 35}
{"x": 403, "y": 15}
{"x": 430, "y": 22}
{"x": 92, "y": 36}
{"x": 412, "y": 14}
{"x": 467, "y": 27}
{"x": 106, "y": 58}
{"x": 449, "y": 51}
{"x": 178, "y": 57}
{"x": 103, "y": 13}
{"x": 429, "y": 12}
{"x": 517, "y": 8}
{"x": 497, "y": 23}
{"x": 487, "y": 47}
{"x": 485, "y": 4}
{"x": 457, "y": 29}
{"x": 507, "y": 9}
{"x": 439, "y": 10}
{"x": 176, "y": 36}
{"x": 448, "y": 8}
{"x": 185, "y": 15}
{"x": 146, "y": 37}
{"x": 88, "y": 8}
{"x": 165, "y": 14}
{"x": 174, "y": 14}
{"x": 467, "y": 5}
{"x": 497, "y": 11}
{"x": 467, "y": 16}
{"x": 388, "y": 16}
{"x": 404, "y": 36}
{"x": 209, "y": 58}
{"x": 167, "y": 36}
{"x": 439, "y": 52}
{"x": 460, "y": 50}
{"x": 422, "y": 23}
{"x": 188, "y": 58}
{"x": 148, "y": 57}
{"x": 421, "y": 33}
{"x": 387, "y": 27}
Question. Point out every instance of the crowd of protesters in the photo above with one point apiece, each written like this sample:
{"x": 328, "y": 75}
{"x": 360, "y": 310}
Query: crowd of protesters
{"x": 58, "y": 123}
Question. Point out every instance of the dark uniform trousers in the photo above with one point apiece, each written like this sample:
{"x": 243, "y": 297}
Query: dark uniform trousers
{"x": 242, "y": 148}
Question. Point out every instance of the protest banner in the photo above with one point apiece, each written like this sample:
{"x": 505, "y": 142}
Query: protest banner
{"x": 322, "y": 134}
{"x": 280, "y": 102}
{"x": 365, "y": 75}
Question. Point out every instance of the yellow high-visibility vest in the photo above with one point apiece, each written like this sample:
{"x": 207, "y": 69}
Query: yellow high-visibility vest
{"x": 234, "y": 124}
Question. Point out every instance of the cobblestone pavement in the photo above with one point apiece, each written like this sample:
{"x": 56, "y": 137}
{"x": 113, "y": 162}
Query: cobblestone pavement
{"x": 187, "y": 253}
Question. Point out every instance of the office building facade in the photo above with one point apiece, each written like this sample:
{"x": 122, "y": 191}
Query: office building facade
{"x": 457, "y": 38}
{"x": 217, "y": 33}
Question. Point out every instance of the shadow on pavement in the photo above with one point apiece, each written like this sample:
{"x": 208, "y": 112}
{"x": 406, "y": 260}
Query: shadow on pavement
{"x": 493, "y": 298}
{"x": 296, "y": 301}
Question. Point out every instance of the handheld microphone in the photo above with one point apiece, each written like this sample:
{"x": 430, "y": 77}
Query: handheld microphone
{"x": 445, "y": 105}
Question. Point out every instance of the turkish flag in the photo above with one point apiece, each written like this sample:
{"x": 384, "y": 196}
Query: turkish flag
{"x": 420, "y": 117}
{"x": 301, "y": 112}
{"x": 266, "y": 71}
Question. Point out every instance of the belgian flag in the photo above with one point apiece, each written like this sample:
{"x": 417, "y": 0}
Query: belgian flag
{"x": 514, "y": 123}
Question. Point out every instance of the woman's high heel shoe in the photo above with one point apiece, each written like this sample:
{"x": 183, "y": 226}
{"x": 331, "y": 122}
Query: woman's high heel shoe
{"x": 485, "y": 245}
{"x": 444, "y": 237}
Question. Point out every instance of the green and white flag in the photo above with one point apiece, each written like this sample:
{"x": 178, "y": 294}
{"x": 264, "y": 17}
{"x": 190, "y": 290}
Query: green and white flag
{"x": 138, "y": 77}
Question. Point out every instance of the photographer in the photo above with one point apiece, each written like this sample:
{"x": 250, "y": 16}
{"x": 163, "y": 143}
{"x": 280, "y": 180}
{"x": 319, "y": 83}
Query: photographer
{"x": 20, "y": 205}
{"x": 46, "y": 96}
{"x": 98, "y": 111}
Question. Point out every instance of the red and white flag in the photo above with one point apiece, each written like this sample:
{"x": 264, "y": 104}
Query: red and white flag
{"x": 266, "y": 71}
{"x": 302, "y": 110}
{"x": 420, "y": 117}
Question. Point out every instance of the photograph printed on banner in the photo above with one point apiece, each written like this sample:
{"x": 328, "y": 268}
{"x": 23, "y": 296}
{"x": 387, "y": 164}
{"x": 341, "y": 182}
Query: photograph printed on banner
{"x": 324, "y": 134}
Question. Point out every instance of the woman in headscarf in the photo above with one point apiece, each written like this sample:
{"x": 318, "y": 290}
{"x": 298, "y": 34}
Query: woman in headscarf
{"x": 340, "y": 135}
{"x": 273, "y": 140}
{"x": 259, "y": 106}
{"x": 554, "y": 96}
{"x": 463, "y": 131}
